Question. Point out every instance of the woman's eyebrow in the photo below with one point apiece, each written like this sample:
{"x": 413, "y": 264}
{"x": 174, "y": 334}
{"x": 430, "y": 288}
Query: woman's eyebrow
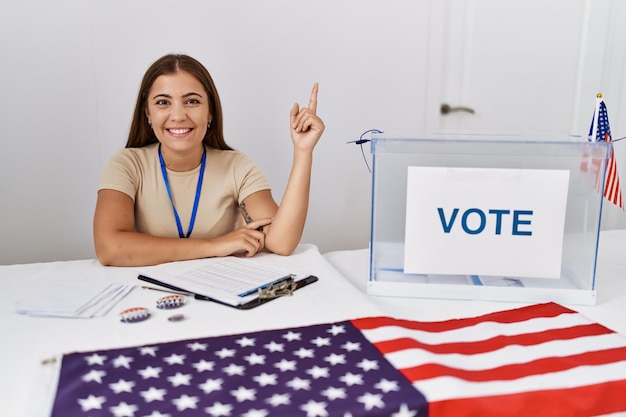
{"x": 192, "y": 94}
{"x": 184, "y": 95}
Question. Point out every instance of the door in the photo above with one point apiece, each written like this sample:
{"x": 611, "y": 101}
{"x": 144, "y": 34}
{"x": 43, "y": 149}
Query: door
{"x": 529, "y": 66}
{"x": 516, "y": 66}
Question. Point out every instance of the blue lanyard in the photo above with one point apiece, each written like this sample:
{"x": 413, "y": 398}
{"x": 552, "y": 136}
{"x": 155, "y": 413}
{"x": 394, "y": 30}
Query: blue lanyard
{"x": 195, "y": 201}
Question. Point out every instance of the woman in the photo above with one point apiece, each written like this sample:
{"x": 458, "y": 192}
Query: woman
{"x": 178, "y": 191}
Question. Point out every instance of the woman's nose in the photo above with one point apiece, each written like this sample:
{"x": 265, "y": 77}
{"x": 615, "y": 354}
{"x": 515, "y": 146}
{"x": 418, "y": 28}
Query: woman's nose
{"x": 178, "y": 112}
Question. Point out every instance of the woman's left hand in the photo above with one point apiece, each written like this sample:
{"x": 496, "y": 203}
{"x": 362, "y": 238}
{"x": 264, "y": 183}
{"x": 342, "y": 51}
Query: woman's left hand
{"x": 306, "y": 126}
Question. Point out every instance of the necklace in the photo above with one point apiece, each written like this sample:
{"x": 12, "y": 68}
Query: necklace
{"x": 195, "y": 201}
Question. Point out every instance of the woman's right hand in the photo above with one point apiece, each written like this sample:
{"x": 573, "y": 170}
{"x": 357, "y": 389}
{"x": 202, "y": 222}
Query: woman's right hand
{"x": 247, "y": 240}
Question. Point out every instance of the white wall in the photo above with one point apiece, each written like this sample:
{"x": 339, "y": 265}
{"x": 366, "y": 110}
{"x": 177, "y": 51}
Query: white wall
{"x": 71, "y": 69}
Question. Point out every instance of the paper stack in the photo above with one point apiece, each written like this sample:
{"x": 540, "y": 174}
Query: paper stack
{"x": 84, "y": 299}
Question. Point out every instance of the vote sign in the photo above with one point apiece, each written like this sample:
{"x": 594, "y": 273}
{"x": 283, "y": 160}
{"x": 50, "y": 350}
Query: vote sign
{"x": 485, "y": 221}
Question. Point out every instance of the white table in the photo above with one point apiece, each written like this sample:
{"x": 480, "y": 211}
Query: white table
{"x": 610, "y": 309}
{"x": 340, "y": 294}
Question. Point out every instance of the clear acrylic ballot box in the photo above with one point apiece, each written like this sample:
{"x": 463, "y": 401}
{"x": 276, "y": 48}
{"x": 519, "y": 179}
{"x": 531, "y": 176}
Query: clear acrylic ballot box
{"x": 486, "y": 217}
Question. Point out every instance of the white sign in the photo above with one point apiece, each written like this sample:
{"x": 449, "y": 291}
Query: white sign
{"x": 485, "y": 221}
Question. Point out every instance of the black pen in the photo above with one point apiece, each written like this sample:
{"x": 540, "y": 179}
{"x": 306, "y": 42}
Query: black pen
{"x": 145, "y": 287}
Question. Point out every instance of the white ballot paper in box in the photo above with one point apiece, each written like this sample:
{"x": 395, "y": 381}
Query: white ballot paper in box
{"x": 485, "y": 221}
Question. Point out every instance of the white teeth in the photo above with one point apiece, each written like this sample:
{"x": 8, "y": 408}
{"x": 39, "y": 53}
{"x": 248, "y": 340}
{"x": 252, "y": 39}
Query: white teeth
{"x": 179, "y": 131}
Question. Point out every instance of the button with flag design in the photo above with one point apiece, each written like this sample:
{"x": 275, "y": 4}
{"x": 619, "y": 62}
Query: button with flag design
{"x": 134, "y": 315}
{"x": 171, "y": 301}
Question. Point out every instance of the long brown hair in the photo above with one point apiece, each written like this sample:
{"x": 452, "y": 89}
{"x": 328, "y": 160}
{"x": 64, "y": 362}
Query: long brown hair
{"x": 141, "y": 133}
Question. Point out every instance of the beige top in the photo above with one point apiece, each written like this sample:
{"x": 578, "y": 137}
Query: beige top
{"x": 229, "y": 178}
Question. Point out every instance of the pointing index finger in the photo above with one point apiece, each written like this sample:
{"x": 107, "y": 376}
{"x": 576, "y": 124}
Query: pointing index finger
{"x": 313, "y": 99}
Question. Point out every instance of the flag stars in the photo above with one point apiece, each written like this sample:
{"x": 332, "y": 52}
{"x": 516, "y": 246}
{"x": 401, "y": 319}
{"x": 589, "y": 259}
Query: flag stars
{"x": 351, "y": 379}
{"x": 148, "y": 350}
{"x": 254, "y": 359}
{"x": 314, "y": 409}
{"x": 225, "y": 353}
{"x": 278, "y": 399}
{"x": 219, "y": 410}
{"x": 211, "y": 385}
{"x": 242, "y": 394}
{"x": 91, "y": 403}
{"x": 198, "y": 346}
{"x": 292, "y": 336}
{"x": 404, "y": 411}
{"x": 124, "y": 410}
{"x": 122, "y": 386}
{"x": 351, "y": 346}
{"x": 157, "y": 414}
{"x": 150, "y": 372}
{"x": 336, "y": 329}
{"x": 234, "y": 369}
{"x": 317, "y": 372}
{"x": 245, "y": 342}
{"x": 122, "y": 361}
{"x": 203, "y": 365}
{"x": 285, "y": 365}
{"x": 371, "y": 400}
{"x": 95, "y": 359}
{"x": 333, "y": 393}
{"x": 299, "y": 384}
{"x": 265, "y": 379}
{"x": 184, "y": 402}
{"x": 275, "y": 347}
{"x": 255, "y": 413}
{"x": 94, "y": 375}
{"x": 335, "y": 359}
{"x": 309, "y": 372}
{"x": 179, "y": 379}
{"x": 304, "y": 353}
{"x": 368, "y": 365}
{"x": 321, "y": 341}
{"x": 153, "y": 394}
{"x": 175, "y": 359}
{"x": 387, "y": 386}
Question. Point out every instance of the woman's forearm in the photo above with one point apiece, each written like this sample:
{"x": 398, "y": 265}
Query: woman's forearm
{"x": 287, "y": 226}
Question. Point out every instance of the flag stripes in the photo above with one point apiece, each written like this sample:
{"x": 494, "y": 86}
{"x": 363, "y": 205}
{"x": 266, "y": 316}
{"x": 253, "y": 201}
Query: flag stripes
{"x": 513, "y": 362}
{"x": 584, "y": 401}
{"x": 514, "y": 371}
{"x": 470, "y": 348}
{"x": 612, "y": 188}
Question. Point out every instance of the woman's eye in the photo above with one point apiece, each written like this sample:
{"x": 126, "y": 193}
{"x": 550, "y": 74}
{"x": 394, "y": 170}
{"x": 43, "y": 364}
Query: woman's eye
{"x": 193, "y": 101}
{"x": 161, "y": 102}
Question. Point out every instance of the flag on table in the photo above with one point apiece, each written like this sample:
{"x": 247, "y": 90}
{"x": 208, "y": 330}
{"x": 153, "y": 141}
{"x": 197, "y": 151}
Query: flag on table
{"x": 600, "y": 130}
{"x": 540, "y": 360}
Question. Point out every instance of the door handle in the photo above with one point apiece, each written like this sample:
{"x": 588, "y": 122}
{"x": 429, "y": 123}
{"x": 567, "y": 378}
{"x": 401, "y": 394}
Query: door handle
{"x": 445, "y": 109}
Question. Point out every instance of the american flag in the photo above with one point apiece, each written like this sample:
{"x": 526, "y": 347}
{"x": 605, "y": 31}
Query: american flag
{"x": 601, "y": 131}
{"x": 539, "y": 360}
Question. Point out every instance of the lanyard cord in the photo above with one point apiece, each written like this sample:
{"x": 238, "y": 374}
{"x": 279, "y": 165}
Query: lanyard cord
{"x": 195, "y": 201}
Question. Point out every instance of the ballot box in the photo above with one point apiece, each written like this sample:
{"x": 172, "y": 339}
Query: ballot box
{"x": 486, "y": 217}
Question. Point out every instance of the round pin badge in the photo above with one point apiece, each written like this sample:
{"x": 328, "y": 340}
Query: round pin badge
{"x": 134, "y": 315}
{"x": 170, "y": 301}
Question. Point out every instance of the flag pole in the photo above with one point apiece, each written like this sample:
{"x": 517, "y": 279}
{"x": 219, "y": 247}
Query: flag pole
{"x": 596, "y": 114}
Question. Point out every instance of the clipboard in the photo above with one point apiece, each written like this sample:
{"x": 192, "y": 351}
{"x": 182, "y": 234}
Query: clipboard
{"x": 245, "y": 306}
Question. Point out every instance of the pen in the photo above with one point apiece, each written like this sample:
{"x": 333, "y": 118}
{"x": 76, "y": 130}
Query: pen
{"x": 145, "y": 287}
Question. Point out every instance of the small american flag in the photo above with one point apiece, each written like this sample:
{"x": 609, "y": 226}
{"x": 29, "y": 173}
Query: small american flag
{"x": 600, "y": 130}
{"x": 539, "y": 360}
